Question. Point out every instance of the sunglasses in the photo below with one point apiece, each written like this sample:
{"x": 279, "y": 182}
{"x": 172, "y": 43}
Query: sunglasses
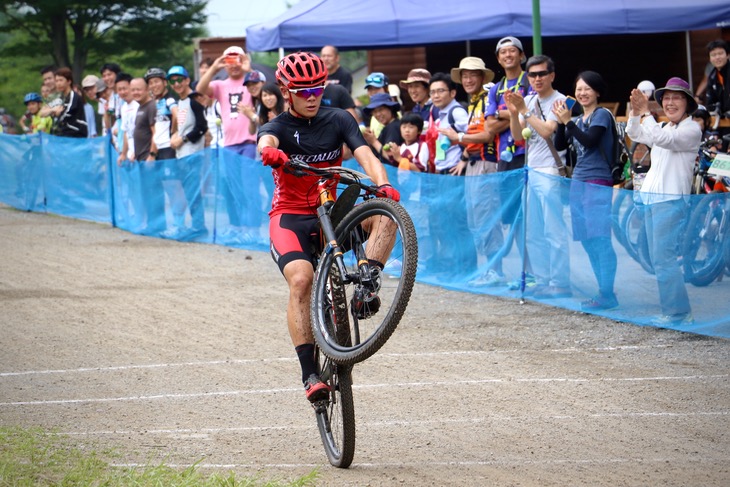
{"x": 174, "y": 81}
{"x": 535, "y": 74}
{"x": 307, "y": 92}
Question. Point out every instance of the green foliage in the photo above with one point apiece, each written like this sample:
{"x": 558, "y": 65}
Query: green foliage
{"x": 33, "y": 457}
{"x": 84, "y": 34}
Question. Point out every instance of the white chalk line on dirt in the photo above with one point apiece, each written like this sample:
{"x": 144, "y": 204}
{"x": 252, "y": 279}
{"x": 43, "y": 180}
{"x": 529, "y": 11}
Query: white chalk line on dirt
{"x": 204, "y": 432}
{"x": 474, "y": 463}
{"x": 366, "y": 386}
{"x": 291, "y": 359}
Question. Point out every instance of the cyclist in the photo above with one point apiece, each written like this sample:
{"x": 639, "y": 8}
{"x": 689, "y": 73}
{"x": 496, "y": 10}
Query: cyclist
{"x": 313, "y": 134}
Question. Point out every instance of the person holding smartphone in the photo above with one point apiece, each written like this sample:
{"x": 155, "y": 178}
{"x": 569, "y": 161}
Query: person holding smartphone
{"x": 241, "y": 187}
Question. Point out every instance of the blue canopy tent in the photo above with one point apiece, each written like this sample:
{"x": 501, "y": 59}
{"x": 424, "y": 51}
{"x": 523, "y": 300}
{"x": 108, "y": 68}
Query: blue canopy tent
{"x": 387, "y": 23}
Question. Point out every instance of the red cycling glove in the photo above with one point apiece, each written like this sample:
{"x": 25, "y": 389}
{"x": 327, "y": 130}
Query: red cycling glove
{"x": 271, "y": 156}
{"x": 388, "y": 191}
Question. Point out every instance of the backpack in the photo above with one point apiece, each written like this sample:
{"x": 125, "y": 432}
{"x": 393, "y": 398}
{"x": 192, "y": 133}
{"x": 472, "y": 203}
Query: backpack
{"x": 619, "y": 158}
{"x": 432, "y": 135}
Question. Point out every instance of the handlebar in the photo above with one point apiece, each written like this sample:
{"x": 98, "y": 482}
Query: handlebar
{"x": 343, "y": 175}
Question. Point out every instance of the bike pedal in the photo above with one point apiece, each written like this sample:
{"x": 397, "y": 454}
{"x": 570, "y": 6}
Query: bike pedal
{"x": 320, "y": 406}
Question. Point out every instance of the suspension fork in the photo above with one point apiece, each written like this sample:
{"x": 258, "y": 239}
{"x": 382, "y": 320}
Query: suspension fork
{"x": 327, "y": 199}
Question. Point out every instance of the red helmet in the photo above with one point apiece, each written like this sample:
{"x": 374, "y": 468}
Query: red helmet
{"x": 301, "y": 70}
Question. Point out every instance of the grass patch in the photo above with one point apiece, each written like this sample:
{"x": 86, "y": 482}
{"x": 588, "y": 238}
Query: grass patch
{"x": 34, "y": 457}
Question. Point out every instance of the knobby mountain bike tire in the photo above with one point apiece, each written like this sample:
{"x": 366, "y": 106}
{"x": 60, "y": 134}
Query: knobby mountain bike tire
{"x": 336, "y": 415}
{"x": 703, "y": 243}
{"x": 367, "y": 330}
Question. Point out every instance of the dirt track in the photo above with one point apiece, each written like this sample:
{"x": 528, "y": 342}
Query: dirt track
{"x": 179, "y": 352}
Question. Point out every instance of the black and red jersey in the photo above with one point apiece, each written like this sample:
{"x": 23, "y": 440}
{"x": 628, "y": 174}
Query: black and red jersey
{"x": 316, "y": 141}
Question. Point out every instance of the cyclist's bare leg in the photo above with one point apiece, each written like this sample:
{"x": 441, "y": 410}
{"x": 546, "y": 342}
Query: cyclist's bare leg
{"x": 382, "y": 237}
{"x": 299, "y": 275}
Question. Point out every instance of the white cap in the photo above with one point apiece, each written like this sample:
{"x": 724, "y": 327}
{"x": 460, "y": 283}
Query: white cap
{"x": 234, "y": 50}
{"x": 89, "y": 81}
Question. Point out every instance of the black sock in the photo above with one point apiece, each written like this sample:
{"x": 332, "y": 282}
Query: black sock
{"x": 305, "y": 353}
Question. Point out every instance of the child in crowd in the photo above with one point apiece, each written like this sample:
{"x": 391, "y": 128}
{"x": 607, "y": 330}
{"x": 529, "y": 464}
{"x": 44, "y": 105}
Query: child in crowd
{"x": 32, "y": 122}
{"x": 413, "y": 154}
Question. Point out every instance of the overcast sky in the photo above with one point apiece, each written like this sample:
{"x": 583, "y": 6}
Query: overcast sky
{"x": 229, "y": 18}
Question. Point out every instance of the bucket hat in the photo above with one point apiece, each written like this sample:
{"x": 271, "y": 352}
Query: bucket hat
{"x": 379, "y": 100}
{"x": 473, "y": 64}
{"x": 677, "y": 84}
{"x": 418, "y": 75}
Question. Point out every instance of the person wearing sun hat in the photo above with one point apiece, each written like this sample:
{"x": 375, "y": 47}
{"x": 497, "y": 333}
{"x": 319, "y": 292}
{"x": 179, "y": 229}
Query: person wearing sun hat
{"x": 384, "y": 109}
{"x": 664, "y": 192}
{"x": 478, "y": 158}
{"x": 416, "y": 83}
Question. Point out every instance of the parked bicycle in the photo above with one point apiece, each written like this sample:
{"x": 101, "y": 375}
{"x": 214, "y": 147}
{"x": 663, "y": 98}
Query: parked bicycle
{"x": 706, "y": 239}
{"x": 355, "y": 306}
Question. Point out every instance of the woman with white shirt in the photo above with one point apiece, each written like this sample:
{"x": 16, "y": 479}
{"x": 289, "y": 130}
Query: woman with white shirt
{"x": 674, "y": 149}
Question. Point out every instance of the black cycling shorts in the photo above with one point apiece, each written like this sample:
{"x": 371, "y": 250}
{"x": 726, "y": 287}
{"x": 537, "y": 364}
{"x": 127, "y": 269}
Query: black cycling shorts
{"x": 294, "y": 237}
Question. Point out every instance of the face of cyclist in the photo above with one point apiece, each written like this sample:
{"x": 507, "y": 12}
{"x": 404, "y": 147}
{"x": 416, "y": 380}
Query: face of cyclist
{"x": 409, "y": 132}
{"x": 383, "y": 114}
{"x": 718, "y": 57}
{"x": 441, "y": 96}
{"x": 585, "y": 95}
{"x": 418, "y": 92}
{"x": 157, "y": 86}
{"x": 674, "y": 104}
{"x": 304, "y": 106}
{"x": 472, "y": 80}
{"x": 509, "y": 57}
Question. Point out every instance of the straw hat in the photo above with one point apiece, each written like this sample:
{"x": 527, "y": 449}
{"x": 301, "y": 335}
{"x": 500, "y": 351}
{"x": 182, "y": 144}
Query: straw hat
{"x": 473, "y": 64}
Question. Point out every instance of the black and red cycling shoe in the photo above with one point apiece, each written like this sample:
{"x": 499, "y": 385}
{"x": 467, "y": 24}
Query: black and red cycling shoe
{"x": 315, "y": 389}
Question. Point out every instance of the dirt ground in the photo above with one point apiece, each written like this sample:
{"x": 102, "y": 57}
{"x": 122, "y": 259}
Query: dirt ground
{"x": 179, "y": 353}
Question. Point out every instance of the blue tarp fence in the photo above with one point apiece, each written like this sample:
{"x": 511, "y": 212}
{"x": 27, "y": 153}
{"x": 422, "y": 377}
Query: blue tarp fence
{"x": 519, "y": 224}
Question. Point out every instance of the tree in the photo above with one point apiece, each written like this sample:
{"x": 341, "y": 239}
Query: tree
{"x": 73, "y": 33}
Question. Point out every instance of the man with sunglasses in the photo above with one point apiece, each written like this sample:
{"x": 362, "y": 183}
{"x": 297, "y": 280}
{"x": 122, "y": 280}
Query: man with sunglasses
{"x": 315, "y": 134}
{"x": 548, "y": 227}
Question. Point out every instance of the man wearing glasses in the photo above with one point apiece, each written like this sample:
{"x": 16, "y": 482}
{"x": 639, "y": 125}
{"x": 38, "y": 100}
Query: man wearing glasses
{"x": 454, "y": 256}
{"x": 313, "y": 134}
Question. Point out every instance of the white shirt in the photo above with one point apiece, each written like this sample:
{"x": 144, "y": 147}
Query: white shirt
{"x": 128, "y": 117}
{"x": 674, "y": 149}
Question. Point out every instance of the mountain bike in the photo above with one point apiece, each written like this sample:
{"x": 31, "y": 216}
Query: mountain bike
{"x": 356, "y": 304}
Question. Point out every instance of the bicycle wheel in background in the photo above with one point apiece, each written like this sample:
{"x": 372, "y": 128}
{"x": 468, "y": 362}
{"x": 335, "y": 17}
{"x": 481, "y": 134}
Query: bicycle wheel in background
{"x": 367, "y": 328}
{"x": 635, "y": 240}
{"x": 336, "y": 415}
{"x": 703, "y": 246}
{"x": 621, "y": 204}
